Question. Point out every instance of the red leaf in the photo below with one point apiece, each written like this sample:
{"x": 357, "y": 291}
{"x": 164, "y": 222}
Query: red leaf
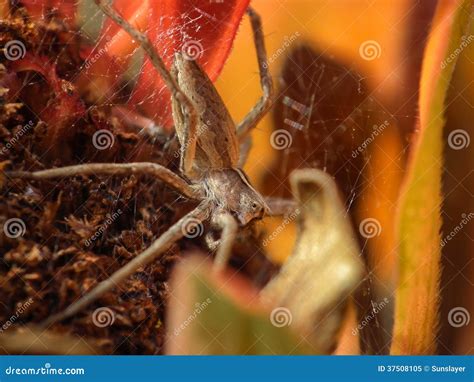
{"x": 62, "y": 110}
{"x": 66, "y": 9}
{"x": 206, "y": 28}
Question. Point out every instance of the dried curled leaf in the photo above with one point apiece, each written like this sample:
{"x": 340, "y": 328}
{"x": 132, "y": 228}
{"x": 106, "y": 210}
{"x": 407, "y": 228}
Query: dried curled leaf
{"x": 316, "y": 281}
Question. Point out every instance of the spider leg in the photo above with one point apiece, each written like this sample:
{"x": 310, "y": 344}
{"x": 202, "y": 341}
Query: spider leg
{"x": 188, "y": 149}
{"x": 265, "y": 102}
{"x": 152, "y": 169}
{"x": 245, "y": 146}
{"x": 229, "y": 228}
{"x": 158, "y": 247}
{"x": 281, "y": 207}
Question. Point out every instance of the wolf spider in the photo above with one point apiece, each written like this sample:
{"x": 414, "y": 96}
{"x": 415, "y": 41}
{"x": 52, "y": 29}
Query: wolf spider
{"x": 212, "y": 149}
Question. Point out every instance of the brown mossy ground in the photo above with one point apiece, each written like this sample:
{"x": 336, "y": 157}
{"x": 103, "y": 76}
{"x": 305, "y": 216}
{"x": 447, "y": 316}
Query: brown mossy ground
{"x": 79, "y": 230}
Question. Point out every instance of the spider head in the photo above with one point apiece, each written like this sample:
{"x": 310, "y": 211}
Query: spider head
{"x": 232, "y": 192}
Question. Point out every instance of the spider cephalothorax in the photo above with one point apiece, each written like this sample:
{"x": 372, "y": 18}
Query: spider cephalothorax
{"x": 231, "y": 192}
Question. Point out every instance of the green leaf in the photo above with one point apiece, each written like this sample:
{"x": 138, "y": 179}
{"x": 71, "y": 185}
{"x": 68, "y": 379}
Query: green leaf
{"x": 222, "y": 314}
{"x": 419, "y": 216}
